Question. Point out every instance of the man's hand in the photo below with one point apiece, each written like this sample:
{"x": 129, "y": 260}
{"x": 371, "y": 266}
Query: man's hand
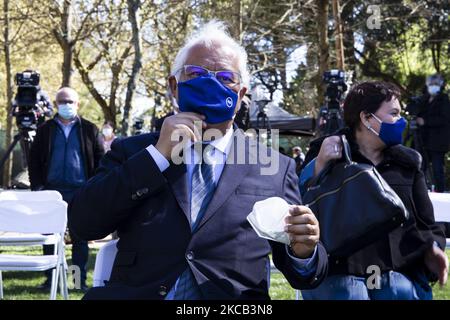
{"x": 420, "y": 121}
{"x": 303, "y": 229}
{"x": 437, "y": 262}
{"x": 181, "y": 124}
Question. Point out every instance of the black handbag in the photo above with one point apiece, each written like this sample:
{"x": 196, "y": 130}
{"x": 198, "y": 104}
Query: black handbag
{"x": 354, "y": 205}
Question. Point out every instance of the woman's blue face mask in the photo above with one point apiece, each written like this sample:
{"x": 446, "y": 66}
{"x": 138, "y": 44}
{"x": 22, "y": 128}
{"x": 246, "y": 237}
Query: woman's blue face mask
{"x": 208, "y": 96}
{"x": 390, "y": 133}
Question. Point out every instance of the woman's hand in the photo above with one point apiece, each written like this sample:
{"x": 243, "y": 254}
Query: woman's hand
{"x": 437, "y": 262}
{"x": 331, "y": 149}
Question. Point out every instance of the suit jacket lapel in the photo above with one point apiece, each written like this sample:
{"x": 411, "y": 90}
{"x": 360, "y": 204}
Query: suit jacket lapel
{"x": 176, "y": 175}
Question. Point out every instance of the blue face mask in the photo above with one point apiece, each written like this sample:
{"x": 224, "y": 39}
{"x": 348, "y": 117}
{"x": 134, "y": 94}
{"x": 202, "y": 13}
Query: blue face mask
{"x": 390, "y": 133}
{"x": 207, "y": 96}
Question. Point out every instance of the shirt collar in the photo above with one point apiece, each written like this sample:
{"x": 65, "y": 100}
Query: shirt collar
{"x": 71, "y": 123}
{"x": 222, "y": 144}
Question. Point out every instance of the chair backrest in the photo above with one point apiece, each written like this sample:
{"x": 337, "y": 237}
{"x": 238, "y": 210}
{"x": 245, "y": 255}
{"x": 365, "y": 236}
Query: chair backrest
{"x": 441, "y": 206}
{"x": 47, "y": 195}
{"x": 32, "y": 215}
{"x": 104, "y": 263}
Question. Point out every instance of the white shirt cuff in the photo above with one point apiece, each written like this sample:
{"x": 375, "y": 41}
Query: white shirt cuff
{"x": 160, "y": 160}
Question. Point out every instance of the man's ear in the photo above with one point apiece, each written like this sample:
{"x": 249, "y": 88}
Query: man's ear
{"x": 241, "y": 96}
{"x": 242, "y": 93}
{"x": 173, "y": 86}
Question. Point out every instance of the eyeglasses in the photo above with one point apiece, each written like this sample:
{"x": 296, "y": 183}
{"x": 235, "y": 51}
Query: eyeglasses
{"x": 226, "y": 77}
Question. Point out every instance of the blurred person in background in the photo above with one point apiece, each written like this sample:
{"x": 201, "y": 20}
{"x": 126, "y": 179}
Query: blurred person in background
{"x": 108, "y": 135}
{"x": 64, "y": 155}
{"x": 434, "y": 121}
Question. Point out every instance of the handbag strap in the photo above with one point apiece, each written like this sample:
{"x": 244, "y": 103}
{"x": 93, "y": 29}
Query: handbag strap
{"x": 346, "y": 152}
{"x": 346, "y": 156}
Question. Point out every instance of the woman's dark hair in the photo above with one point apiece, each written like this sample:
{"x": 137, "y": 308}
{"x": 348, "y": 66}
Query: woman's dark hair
{"x": 108, "y": 123}
{"x": 368, "y": 97}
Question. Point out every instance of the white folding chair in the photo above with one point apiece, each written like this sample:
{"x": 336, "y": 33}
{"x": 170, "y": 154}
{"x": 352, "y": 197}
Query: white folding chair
{"x": 25, "y": 216}
{"x": 17, "y": 239}
{"x": 441, "y": 206}
{"x": 104, "y": 263}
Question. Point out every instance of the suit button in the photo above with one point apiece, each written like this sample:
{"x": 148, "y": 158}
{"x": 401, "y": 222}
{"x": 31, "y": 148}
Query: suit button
{"x": 162, "y": 291}
{"x": 141, "y": 192}
{"x": 190, "y": 256}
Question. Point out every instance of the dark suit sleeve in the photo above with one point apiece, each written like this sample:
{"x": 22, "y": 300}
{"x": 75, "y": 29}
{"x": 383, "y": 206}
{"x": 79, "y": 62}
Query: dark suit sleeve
{"x": 35, "y": 172}
{"x": 107, "y": 199}
{"x": 280, "y": 257}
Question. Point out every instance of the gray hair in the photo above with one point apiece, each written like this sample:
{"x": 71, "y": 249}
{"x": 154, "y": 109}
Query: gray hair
{"x": 211, "y": 33}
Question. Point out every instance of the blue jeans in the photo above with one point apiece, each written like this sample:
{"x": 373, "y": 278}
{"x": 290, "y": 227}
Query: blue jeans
{"x": 394, "y": 286}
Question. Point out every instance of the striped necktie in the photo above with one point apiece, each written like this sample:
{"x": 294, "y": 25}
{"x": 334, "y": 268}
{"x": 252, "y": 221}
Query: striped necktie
{"x": 202, "y": 190}
{"x": 202, "y": 186}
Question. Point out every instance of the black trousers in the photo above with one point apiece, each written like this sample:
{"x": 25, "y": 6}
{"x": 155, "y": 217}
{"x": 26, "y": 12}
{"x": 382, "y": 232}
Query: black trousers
{"x": 437, "y": 159}
{"x": 80, "y": 255}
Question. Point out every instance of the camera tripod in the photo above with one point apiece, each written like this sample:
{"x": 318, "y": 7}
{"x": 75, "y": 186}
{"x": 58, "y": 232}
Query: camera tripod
{"x": 262, "y": 120}
{"x": 25, "y": 139}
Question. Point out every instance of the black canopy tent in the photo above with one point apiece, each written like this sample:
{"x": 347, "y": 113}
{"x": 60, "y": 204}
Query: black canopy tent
{"x": 285, "y": 122}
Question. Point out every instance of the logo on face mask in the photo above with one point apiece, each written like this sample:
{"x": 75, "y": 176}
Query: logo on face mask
{"x": 229, "y": 102}
{"x": 207, "y": 96}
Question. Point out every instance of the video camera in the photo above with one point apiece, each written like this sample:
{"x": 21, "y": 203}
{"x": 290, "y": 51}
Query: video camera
{"x": 330, "y": 114}
{"x": 138, "y": 126}
{"x": 31, "y": 104}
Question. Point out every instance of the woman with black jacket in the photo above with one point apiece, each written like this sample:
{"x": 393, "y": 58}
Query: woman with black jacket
{"x": 411, "y": 256}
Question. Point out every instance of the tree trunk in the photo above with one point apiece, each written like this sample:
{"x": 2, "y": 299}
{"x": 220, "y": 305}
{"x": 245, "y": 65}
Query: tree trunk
{"x": 322, "y": 25}
{"x": 66, "y": 42}
{"x": 338, "y": 36}
{"x": 349, "y": 38}
{"x": 7, "y": 169}
{"x": 237, "y": 25}
{"x": 134, "y": 16}
{"x": 89, "y": 83}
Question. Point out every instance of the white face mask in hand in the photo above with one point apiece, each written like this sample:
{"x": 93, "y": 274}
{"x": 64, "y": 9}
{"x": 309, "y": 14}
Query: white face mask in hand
{"x": 267, "y": 219}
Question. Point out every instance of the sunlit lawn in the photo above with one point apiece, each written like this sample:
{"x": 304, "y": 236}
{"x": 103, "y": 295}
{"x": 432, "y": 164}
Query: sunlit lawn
{"x": 22, "y": 285}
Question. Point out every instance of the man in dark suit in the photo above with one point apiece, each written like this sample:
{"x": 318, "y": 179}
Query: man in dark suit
{"x": 182, "y": 224}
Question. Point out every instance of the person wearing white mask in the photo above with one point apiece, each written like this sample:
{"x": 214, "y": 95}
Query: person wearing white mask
{"x": 434, "y": 121}
{"x": 64, "y": 155}
{"x": 108, "y": 135}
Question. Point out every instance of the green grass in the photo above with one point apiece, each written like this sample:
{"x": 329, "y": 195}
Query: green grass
{"x": 22, "y": 285}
